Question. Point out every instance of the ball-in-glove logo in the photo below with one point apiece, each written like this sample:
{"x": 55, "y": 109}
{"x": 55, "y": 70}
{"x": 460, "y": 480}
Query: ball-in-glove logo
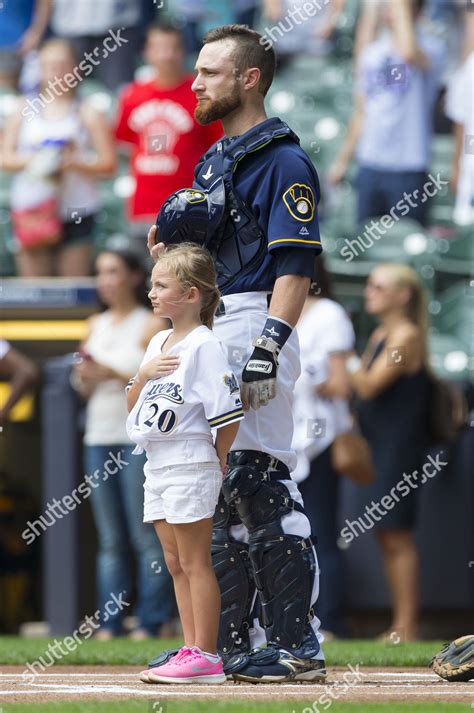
{"x": 194, "y": 196}
{"x": 231, "y": 382}
{"x": 299, "y": 199}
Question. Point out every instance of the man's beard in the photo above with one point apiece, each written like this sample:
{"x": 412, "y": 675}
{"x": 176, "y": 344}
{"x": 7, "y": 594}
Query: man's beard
{"x": 210, "y": 110}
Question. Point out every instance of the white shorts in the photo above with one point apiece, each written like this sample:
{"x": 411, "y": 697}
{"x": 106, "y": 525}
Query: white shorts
{"x": 181, "y": 493}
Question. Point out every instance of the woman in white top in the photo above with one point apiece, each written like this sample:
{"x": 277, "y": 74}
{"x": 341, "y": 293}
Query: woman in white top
{"x": 321, "y": 412}
{"x": 58, "y": 147}
{"x": 459, "y": 108}
{"x": 110, "y": 355}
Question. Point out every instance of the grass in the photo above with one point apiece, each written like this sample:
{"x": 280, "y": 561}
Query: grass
{"x": 16, "y": 650}
{"x": 215, "y": 706}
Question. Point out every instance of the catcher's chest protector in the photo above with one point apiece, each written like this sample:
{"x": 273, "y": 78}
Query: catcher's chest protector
{"x": 239, "y": 243}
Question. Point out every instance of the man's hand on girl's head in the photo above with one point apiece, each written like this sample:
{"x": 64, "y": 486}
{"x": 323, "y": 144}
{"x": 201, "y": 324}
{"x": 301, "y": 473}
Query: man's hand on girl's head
{"x": 156, "y": 249}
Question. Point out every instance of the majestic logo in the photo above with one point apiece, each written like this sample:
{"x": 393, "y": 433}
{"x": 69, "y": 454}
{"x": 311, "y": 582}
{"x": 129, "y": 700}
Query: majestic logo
{"x": 304, "y": 231}
{"x": 299, "y": 200}
{"x": 170, "y": 391}
{"x": 264, "y": 367}
{"x": 194, "y": 196}
{"x": 208, "y": 173}
{"x": 231, "y": 381}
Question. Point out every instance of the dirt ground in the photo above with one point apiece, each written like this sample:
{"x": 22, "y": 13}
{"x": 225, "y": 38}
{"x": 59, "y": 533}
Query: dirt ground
{"x": 62, "y": 683}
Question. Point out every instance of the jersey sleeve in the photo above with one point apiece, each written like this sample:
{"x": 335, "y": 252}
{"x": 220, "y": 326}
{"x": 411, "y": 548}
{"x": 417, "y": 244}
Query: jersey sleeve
{"x": 293, "y": 216}
{"x": 216, "y": 386}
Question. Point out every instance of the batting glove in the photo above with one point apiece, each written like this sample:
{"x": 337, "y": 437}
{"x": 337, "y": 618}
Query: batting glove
{"x": 260, "y": 374}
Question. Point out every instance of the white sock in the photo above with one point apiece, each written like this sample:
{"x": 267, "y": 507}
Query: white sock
{"x": 214, "y": 658}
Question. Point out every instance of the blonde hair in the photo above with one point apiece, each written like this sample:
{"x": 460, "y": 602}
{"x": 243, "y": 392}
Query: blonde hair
{"x": 193, "y": 266}
{"x": 417, "y": 306}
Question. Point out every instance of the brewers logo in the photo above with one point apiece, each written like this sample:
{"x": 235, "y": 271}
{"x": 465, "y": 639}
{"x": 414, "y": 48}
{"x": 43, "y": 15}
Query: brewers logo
{"x": 299, "y": 199}
{"x": 195, "y": 196}
{"x": 231, "y": 381}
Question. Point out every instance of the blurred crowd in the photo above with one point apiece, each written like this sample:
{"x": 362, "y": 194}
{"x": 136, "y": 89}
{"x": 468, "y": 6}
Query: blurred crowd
{"x": 413, "y": 68}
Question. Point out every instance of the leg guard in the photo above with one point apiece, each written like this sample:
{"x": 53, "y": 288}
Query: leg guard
{"x": 234, "y": 574}
{"x": 284, "y": 566}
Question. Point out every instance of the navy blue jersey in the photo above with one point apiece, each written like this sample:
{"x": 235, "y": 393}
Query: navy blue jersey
{"x": 278, "y": 184}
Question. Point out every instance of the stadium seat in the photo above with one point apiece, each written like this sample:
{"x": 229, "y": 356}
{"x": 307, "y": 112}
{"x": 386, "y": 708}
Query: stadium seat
{"x": 405, "y": 241}
{"x": 449, "y": 357}
{"x": 454, "y": 312}
{"x": 456, "y": 255}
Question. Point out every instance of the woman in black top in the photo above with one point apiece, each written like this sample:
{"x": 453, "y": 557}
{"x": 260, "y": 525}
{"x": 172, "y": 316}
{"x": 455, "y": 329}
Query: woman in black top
{"x": 391, "y": 384}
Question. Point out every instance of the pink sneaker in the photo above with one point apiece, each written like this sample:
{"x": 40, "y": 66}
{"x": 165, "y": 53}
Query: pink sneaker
{"x": 144, "y": 675}
{"x": 191, "y": 667}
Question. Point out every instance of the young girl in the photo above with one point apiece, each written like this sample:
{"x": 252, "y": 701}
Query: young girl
{"x": 110, "y": 354}
{"x": 183, "y": 389}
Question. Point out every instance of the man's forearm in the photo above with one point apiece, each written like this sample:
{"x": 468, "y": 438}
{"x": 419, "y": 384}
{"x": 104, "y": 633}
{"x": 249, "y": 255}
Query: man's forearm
{"x": 41, "y": 15}
{"x": 224, "y": 439}
{"x": 404, "y": 30}
{"x": 288, "y": 298}
{"x": 366, "y": 27}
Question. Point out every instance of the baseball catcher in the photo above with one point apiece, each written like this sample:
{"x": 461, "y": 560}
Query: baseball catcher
{"x": 253, "y": 205}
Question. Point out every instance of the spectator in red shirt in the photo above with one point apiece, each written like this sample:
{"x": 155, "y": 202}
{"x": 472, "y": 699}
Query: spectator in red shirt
{"x": 157, "y": 118}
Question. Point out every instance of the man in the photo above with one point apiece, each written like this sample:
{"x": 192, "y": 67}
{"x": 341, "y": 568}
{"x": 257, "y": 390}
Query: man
{"x": 264, "y": 237}
{"x": 107, "y": 34}
{"x": 156, "y": 119}
{"x": 398, "y": 77}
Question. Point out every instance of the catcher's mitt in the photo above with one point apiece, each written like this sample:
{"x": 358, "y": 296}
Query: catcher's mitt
{"x": 455, "y": 662}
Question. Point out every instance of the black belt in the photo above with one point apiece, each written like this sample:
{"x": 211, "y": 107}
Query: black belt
{"x": 263, "y": 461}
{"x": 221, "y": 308}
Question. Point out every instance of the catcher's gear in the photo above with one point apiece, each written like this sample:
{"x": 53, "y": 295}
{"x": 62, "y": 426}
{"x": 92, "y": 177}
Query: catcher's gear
{"x": 191, "y": 215}
{"x": 283, "y": 565}
{"x": 231, "y": 564}
{"x": 163, "y": 658}
{"x": 240, "y": 245}
{"x": 455, "y": 661}
{"x": 260, "y": 373}
{"x": 213, "y": 214}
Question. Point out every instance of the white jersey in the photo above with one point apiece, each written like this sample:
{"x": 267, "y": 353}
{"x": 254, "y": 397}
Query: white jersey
{"x": 174, "y": 415}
